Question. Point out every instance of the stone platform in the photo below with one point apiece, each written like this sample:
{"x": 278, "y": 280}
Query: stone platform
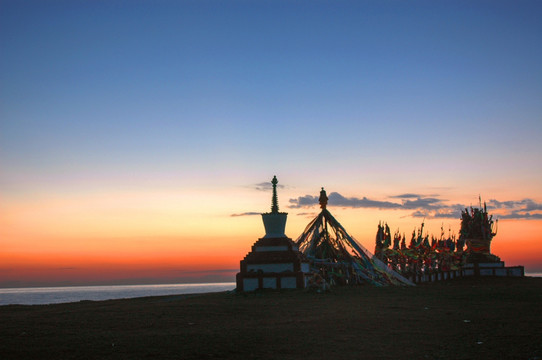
{"x": 273, "y": 263}
{"x": 492, "y": 269}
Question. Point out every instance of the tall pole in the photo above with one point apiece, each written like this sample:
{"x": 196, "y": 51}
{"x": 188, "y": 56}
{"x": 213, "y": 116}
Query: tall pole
{"x": 323, "y": 203}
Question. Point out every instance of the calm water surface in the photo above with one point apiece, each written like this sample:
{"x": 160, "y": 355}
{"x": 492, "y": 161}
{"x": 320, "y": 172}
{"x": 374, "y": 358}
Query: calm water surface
{"x": 55, "y": 295}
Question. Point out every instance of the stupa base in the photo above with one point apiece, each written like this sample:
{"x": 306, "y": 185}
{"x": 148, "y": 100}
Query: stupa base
{"x": 252, "y": 281}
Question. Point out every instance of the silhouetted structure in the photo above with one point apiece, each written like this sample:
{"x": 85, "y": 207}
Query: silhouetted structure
{"x": 275, "y": 262}
{"x": 337, "y": 258}
{"x": 445, "y": 258}
{"x": 422, "y": 258}
{"x": 477, "y": 231}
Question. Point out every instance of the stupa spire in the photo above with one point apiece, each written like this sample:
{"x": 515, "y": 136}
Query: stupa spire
{"x": 274, "y": 221}
{"x": 275, "y": 200}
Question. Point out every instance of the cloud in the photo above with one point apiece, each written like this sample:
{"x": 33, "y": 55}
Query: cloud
{"x": 424, "y": 203}
{"x": 406, "y": 196}
{"x": 443, "y": 213}
{"x": 517, "y": 209}
{"x": 521, "y": 205}
{"x": 266, "y": 186}
{"x": 430, "y": 207}
{"x": 336, "y": 199}
{"x": 525, "y": 216}
{"x": 339, "y": 200}
{"x": 303, "y": 201}
{"x": 250, "y": 213}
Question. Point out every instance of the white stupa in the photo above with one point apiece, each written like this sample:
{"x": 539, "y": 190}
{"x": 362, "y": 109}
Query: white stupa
{"x": 275, "y": 261}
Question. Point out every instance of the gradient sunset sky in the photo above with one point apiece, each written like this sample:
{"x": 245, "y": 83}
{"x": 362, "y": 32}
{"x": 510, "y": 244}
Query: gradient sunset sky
{"x": 138, "y": 138}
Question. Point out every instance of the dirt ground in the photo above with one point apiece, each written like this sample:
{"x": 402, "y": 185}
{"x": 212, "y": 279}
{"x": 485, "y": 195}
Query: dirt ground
{"x": 487, "y": 318}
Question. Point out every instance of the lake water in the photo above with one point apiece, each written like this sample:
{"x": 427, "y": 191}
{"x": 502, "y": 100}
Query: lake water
{"x": 55, "y": 295}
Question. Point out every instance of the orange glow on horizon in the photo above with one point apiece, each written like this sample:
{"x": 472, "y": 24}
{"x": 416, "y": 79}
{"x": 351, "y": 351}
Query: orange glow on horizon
{"x": 519, "y": 243}
{"x": 45, "y": 244}
{"x": 150, "y": 259}
{"x": 86, "y": 268}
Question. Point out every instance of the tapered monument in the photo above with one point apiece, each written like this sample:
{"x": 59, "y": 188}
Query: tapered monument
{"x": 275, "y": 261}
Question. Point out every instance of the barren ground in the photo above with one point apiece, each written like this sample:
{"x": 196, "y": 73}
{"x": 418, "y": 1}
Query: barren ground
{"x": 487, "y": 318}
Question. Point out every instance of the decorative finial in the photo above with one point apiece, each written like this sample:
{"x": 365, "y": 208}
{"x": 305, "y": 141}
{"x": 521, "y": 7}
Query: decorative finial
{"x": 323, "y": 199}
{"x": 275, "y": 201}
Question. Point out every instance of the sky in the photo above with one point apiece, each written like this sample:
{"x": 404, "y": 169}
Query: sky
{"x": 138, "y": 138}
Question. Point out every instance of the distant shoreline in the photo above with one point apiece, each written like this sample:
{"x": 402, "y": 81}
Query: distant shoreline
{"x": 104, "y": 285}
{"x": 4, "y": 287}
{"x": 112, "y": 292}
{"x": 68, "y": 294}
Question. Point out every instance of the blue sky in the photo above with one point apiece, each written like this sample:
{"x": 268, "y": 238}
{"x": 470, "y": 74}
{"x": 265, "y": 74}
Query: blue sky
{"x": 153, "y": 79}
{"x": 199, "y": 89}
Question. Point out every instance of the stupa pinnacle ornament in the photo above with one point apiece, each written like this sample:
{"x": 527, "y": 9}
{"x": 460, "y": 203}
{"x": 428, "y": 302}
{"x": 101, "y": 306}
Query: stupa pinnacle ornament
{"x": 275, "y": 221}
{"x": 323, "y": 199}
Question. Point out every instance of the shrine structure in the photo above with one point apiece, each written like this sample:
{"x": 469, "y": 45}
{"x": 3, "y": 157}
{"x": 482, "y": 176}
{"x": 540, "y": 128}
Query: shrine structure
{"x": 275, "y": 261}
{"x": 336, "y": 258}
{"x": 445, "y": 258}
